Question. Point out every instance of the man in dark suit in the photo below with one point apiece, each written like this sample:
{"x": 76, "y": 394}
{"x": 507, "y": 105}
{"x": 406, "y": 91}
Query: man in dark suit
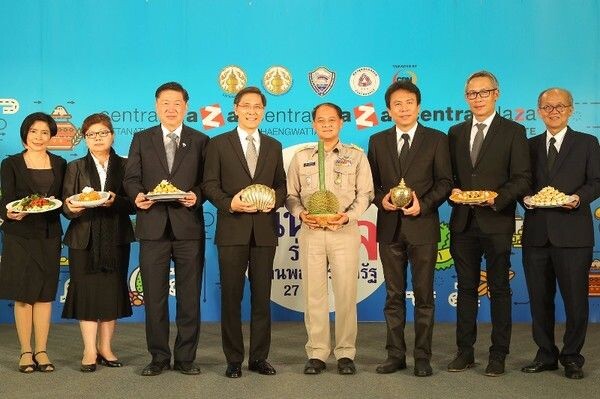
{"x": 558, "y": 242}
{"x": 488, "y": 152}
{"x": 245, "y": 238}
{"x": 169, "y": 230}
{"x": 420, "y": 156}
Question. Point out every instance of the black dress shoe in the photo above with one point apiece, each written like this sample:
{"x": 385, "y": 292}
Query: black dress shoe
{"x": 261, "y": 367}
{"x": 234, "y": 370}
{"x": 108, "y": 363}
{"x": 538, "y": 367}
{"x": 461, "y": 362}
{"x": 188, "y": 368}
{"x": 390, "y": 365}
{"x": 423, "y": 368}
{"x": 346, "y": 366}
{"x": 88, "y": 368}
{"x": 314, "y": 366}
{"x": 155, "y": 368}
{"x": 573, "y": 371}
{"x": 494, "y": 368}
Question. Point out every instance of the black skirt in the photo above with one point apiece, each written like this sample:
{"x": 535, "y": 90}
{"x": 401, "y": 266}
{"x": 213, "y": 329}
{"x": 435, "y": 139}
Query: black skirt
{"x": 29, "y": 269}
{"x": 97, "y": 296}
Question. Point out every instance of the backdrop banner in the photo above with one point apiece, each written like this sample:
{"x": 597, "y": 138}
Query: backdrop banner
{"x": 74, "y": 58}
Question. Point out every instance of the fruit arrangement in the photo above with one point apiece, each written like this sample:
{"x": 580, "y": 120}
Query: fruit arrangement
{"x": 259, "y": 195}
{"x": 165, "y": 187}
{"x": 323, "y": 205}
{"x": 473, "y": 196}
{"x": 549, "y": 196}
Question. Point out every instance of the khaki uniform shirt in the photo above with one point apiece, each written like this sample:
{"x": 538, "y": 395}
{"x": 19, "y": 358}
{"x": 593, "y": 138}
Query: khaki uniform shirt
{"x": 347, "y": 175}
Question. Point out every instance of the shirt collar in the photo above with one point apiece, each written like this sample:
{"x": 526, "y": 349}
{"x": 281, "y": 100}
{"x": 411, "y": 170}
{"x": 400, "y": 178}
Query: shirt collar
{"x": 410, "y": 132}
{"x": 559, "y": 137}
{"x": 337, "y": 148}
{"x": 243, "y": 134}
{"x": 487, "y": 121}
{"x": 167, "y": 131}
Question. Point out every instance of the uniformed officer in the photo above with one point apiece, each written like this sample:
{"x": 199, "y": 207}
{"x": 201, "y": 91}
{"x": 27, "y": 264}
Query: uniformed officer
{"x": 348, "y": 176}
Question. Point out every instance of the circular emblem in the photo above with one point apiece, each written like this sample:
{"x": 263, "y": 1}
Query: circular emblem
{"x": 364, "y": 81}
{"x": 287, "y": 287}
{"x": 277, "y": 80}
{"x": 232, "y": 79}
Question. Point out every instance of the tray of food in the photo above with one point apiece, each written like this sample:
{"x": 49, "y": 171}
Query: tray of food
{"x": 548, "y": 197}
{"x": 473, "y": 196}
{"x": 89, "y": 198}
{"x": 34, "y": 203}
{"x": 165, "y": 191}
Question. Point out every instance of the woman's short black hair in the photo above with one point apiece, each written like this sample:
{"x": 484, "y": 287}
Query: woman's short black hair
{"x": 32, "y": 118}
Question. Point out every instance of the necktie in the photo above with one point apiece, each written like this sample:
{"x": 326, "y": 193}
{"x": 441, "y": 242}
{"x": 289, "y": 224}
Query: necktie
{"x": 477, "y": 142}
{"x": 251, "y": 155}
{"x": 170, "y": 149}
{"x": 404, "y": 152}
{"x": 552, "y": 153}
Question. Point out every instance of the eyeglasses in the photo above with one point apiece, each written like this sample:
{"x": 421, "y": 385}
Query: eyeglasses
{"x": 248, "y": 107}
{"x": 325, "y": 122}
{"x": 550, "y": 108}
{"x": 102, "y": 133}
{"x": 485, "y": 93}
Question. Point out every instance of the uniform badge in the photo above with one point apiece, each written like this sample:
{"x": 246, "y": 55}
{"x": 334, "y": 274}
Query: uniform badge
{"x": 364, "y": 81}
{"x": 321, "y": 80}
{"x": 311, "y": 163}
{"x": 232, "y": 79}
{"x": 343, "y": 160}
{"x": 277, "y": 80}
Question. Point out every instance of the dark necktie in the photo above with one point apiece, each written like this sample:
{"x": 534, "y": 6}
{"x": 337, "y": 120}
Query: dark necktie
{"x": 552, "y": 154}
{"x": 170, "y": 149}
{"x": 404, "y": 152}
{"x": 477, "y": 142}
{"x": 251, "y": 155}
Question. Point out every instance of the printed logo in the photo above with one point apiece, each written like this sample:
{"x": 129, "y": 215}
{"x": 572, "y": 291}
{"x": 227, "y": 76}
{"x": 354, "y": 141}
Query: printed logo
{"x": 136, "y": 289}
{"x": 365, "y": 116}
{"x": 212, "y": 116}
{"x": 364, "y": 81}
{"x": 321, "y": 80}
{"x": 9, "y": 105}
{"x": 594, "y": 278}
{"x": 232, "y": 79}
{"x": 67, "y": 136}
{"x": 277, "y": 80}
{"x": 405, "y": 74}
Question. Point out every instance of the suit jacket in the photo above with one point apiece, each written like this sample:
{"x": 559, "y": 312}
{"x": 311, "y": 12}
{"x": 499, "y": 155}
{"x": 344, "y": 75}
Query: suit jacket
{"x": 502, "y": 166}
{"x": 575, "y": 171}
{"x": 147, "y": 166}
{"x": 428, "y": 173}
{"x": 77, "y": 236}
{"x": 17, "y": 184}
{"x": 226, "y": 173}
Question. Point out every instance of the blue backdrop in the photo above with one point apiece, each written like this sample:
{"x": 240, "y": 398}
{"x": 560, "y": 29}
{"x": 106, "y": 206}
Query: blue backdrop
{"x": 73, "y": 58}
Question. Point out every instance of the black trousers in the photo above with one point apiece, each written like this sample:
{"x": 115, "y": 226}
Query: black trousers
{"x": 467, "y": 249}
{"x": 234, "y": 260}
{"x": 395, "y": 258}
{"x": 544, "y": 267}
{"x": 155, "y": 259}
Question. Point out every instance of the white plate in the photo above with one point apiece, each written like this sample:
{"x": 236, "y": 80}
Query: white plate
{"x": 529, "y": 203}
{"x": 90, "y": 204}
{"x": 166, "y": 197}
{"x": 57, "y": 204}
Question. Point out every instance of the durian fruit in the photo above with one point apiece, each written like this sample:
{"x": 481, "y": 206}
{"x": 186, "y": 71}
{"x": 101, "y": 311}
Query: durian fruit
{"x": 323, "y": 205}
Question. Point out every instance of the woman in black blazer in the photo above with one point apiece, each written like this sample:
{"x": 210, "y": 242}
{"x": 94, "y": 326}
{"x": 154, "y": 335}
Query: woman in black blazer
{"x": 31, "y": 251}
{"x": 99, "y": 244}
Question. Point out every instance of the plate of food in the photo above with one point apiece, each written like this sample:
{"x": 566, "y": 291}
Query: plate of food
{"x": 548, "y": 197}
{"x": 473, "y": 196}
{"x": 165, "y": 191}
{"x": 89, "y": 198}
{"x": 34, "y": 203}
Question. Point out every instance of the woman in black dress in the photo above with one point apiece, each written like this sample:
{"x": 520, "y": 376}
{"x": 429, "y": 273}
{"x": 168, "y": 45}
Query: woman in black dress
{"x": 99, "y": 243}
{"x": 31, "y": 252}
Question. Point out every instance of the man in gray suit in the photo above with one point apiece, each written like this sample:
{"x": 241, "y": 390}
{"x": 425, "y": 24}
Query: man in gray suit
{"x": 245, "y": 238}
{"x": 169, "y": 230}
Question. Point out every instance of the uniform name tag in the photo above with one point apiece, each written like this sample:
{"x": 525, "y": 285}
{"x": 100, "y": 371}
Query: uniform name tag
{"x": 312, "y": 163}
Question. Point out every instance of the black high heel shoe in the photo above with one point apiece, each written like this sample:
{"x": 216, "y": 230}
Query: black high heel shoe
{"x": 44, "y": 368}
{"x": 88, "y": 368}
{"x": 27, "y": 368}
{"x": 108, "y": 363}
